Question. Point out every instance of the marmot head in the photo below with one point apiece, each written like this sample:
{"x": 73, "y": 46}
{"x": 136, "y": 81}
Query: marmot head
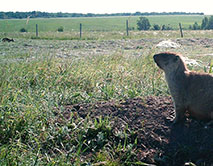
{"x": 169, "y": 61}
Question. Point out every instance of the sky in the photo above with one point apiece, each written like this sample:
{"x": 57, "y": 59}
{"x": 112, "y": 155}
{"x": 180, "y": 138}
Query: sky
{"x": 108, "y": 6}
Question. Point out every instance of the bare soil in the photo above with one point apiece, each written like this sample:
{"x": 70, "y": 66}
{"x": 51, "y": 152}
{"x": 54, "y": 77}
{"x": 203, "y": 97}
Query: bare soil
{"x": 159, "y": 141}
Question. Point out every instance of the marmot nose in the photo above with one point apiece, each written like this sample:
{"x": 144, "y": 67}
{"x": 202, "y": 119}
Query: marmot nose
{"x": 155, "y": 57}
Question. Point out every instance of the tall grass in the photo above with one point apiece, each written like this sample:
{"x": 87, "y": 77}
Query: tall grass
{"x": 84, "y": 79}
{"x": 31, "y": 132}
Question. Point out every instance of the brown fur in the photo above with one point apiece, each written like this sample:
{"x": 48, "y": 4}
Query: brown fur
{"x": 7, "y": 40}
{"x": 191, "y": 91}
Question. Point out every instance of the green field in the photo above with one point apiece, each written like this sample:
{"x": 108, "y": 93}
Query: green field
{"x": 38, "y": 78}
{"x": 96, "y": 28}
{"x": 93, "y": 24}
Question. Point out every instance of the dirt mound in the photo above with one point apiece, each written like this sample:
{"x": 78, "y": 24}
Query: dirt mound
{"x": 159, "y": 141}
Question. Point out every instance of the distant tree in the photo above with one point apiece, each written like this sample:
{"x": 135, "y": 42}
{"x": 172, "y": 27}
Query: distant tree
{"x": 166, "y": 27}
{"x": 90, "y": 15}
{"x": 204, "y": 24}
{"x": 137, "y": 14}
{"x": 156, "y": 27}
{"x": 190, "y": 27}
{"x": 163, "y": 27}
{"x": 37, "y": 14}
{"x": 131, "y": 28}
{"x": 143, "y": 24}
{"x": 59, "y": 14}
{"x": 196, "y": 26}
{"x": 210, "y": 23}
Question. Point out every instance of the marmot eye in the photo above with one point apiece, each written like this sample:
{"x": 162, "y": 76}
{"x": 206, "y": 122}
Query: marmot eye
{"x": 175, "y": 59}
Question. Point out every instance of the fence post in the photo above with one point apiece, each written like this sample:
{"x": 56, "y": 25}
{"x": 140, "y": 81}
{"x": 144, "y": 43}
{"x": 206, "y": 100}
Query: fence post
{"x": 36, "y": 30}
{"x": 80, "y": 30}
{"x": 181, "y": 30}
{"x": 127, "y": 28}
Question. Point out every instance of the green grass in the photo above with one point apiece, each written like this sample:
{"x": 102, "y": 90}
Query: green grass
{"x": 35, "y": 83}
{"x": 100, "y": 28}
{"x": 100, "y": 77}
{"x": 93, "y": 24}
{"x": 95, "y": 36}
{"x": 34, "y": 132}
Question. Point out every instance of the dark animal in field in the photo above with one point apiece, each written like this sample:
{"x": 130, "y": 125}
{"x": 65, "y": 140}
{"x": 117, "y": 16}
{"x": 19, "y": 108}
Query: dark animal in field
{"x": 7, "y": 40}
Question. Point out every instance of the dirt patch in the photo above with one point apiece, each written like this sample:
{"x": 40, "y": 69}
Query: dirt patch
{"x": 159, "y": 141}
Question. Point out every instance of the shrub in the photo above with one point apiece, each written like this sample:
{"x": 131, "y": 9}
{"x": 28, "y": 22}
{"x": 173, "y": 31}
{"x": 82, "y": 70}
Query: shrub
{"x": 60, "y": 29}
{"x": 196, "y": 26}
{"x": 143, "y": 24}
{"x": 166, "y": 27}
{"x": 156, "y": 27}
{"x": 131, "y": 28}
{"x": 210, "y": 23}
{"x": 204, "y": 24}
{"x": 207, "y": 23}
{"x": 23, "y": 30}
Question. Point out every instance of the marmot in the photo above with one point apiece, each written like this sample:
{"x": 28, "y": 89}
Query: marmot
{"x": 191, "y": 91}
{"x": 7, "y": 40}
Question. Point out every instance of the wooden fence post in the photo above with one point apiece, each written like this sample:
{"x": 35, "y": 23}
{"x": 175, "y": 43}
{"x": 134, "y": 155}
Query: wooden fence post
{"x": 36, "y": 30}
{"x": 127, "y": 28}
{"x": 80, "y": 30}
{"x": 181, "y": 30}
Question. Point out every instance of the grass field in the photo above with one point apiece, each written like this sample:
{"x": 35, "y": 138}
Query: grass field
{"x": 39, "y": 77}
{"x": 34, "y": 82}
{"x": 94, "y": 24}
{"x": 98, "y": 28}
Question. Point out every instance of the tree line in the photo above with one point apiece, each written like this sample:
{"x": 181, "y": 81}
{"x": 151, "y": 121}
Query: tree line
{"x": 144, "y": 24}
{"x": 207, "y": 24}
{"x": 38, "y": 14}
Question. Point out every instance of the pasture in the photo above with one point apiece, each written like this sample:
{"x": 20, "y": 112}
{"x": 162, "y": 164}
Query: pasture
{"x": 93, "y": 23}
{"x": 96, "y": 102}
